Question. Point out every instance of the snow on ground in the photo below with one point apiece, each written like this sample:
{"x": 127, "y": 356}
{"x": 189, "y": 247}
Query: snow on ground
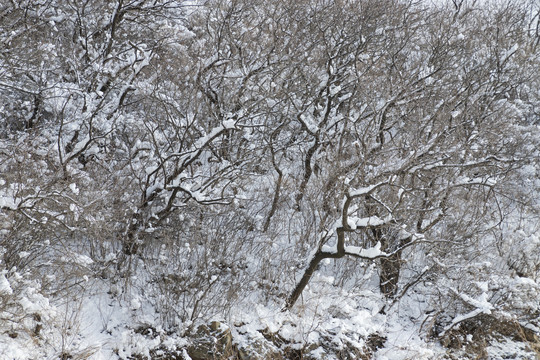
{"x": 100, "y": 327}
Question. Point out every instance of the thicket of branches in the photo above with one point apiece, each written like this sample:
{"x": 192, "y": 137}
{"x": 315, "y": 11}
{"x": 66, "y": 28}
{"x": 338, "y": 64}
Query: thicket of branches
{"x": 203, "y": 152}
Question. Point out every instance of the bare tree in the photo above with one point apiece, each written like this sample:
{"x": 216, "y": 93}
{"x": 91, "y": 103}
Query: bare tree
{"x": 426, "y": 134}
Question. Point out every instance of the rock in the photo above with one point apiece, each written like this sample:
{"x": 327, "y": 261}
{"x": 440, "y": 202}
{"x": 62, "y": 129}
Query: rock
{"x": 211, "y": 342}
{"x": 259, "y": 349}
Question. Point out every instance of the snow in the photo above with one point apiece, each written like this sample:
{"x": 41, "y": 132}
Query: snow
{"x": 310, "y": 123}
{"x": 481, "y": 304}
{"x": 24, "y": 254}
{"x": 509, "y": 52}
{"x": 369, "y": 221}
{"x": 74, "y": 188}
{"x": 150, "y": 169}
{"x": 80, "y": 145}
{"x": 351, "y": 223}
{"x": 507, "y": 349}
{"x": 460, "y": 318}
{"x": 80, "y": 259}
{"x": 5, "y": 288}
{"x": 152, "y": 189}
{"x": 370, "y": 253}
{"x": 326, "y": 249}
{"x": 8, "y": 202}
{"x": 334, "y": 90}
{"x": 363, "y": 190}
{"x": 464, "y": 180}
{"x": 135, "y": 303}
{"x": 229, "y": 124}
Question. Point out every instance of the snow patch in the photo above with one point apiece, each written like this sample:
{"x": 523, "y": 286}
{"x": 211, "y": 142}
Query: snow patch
{"x": 370, "y": 253}
{"x": 5, "y": 287}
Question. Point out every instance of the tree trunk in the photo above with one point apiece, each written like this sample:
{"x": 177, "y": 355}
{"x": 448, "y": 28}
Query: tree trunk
{"x": 390, "y": 268}
{"x": 314, "y": 262}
